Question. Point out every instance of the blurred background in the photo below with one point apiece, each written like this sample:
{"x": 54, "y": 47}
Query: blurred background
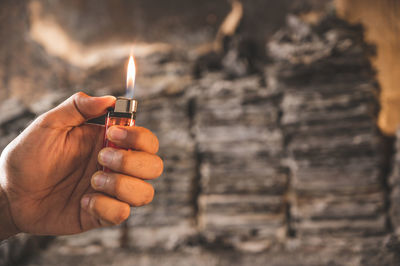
{"x": 277, "y": 123}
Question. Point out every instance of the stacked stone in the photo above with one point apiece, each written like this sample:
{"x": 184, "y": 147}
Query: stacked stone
{"x": 329, "y": 107}
{"x": 394, "y": 182}
{"x": 240, "y": 147}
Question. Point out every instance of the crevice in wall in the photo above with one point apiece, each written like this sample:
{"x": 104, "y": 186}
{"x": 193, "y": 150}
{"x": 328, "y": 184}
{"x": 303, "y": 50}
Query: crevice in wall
{"x": 388, "y": 146}
{"x": 196, "y": 185}
{"x": 124, "y": 235}
{"x": 289, "y": 202}
{"x": 289, "y": 195}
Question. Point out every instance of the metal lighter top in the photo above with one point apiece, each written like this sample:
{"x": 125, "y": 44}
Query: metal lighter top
{"x": 125, "y": 105}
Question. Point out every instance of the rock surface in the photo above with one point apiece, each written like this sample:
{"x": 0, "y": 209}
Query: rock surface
{"x": 328, "y": 117}
{"x": 394, "y": 183}
{"x": 285, "y": 166}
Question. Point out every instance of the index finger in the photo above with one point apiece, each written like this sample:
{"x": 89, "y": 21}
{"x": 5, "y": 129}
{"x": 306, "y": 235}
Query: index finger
{"x": 136, "y": 138}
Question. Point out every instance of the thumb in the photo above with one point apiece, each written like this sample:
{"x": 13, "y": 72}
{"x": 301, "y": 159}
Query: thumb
{"x": 77, "y": 109}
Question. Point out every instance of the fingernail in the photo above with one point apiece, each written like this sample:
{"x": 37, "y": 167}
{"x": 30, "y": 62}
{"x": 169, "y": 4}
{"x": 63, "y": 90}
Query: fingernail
{"x": 99, "y": 180}
{"x": 85, "y": 202}
{"x": 108, "y": 97}
{"x": 106, "y": 156}
{"x": 116, "y": 133}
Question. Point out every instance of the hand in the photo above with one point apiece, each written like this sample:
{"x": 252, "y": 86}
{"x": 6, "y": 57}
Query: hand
{"x": 48, "y": 173}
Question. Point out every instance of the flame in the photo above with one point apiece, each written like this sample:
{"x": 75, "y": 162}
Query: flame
{"x": 130, "y": 78}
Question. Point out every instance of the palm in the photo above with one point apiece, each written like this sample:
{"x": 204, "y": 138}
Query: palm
{"x": 46, "y": 172}
{"x": 51, "y": 175}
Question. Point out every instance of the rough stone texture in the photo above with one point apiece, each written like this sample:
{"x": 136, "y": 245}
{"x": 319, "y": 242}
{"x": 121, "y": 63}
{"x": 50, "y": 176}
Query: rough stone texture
{"x": 28, "y": 72}
{"x": 139, "y": 21}
{"x": 240, "y": 146}
{"x": 278, "y": 168}
{"x": 173, "y": 207}
{"x": 394, "y": 182}
{"x": 380, "y": 19}
{"x": 334, "y": 147}
{"x": 17, "y": 249}
{"x": 354, "y": 252}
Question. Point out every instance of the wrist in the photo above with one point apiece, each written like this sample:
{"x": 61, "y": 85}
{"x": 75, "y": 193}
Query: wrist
{"x": 7, "y": 226}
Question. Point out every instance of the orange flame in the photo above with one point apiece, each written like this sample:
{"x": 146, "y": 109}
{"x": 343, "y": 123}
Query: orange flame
{"x": 130, "y": 77}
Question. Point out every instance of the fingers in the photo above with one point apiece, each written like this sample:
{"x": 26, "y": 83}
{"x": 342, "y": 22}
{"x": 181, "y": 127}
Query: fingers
{"x": 76, "y": 110}
{"x": 108, "y": 210}
{"x": 133, "y": 191}
{"x": 137, "y": 138}
{"x": 134, "y": 163}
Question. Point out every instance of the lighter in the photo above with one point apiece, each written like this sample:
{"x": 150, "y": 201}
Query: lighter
{"x": 124, "y": 112}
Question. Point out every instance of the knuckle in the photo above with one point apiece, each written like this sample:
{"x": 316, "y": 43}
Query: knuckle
{"x": 79, "y": 94}
{"x": 118, "y": 186}
{"x": 45, "y": 120}
{"x": 123, "y": 160}
{"x": 76, "y": 96}
{"x": 92, "y": 205}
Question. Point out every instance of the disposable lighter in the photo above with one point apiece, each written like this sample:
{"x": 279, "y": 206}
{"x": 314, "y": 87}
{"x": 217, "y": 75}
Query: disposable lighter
{"x": 123, "y": 114}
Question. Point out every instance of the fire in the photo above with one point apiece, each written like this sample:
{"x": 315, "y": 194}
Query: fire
{"x": 130, "y": 78}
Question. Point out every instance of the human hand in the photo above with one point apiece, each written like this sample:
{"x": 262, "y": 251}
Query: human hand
{"x": 48, "y": 173}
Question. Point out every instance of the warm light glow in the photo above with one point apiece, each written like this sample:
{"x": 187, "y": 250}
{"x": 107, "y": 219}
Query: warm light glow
{"x": 130, "y": 78}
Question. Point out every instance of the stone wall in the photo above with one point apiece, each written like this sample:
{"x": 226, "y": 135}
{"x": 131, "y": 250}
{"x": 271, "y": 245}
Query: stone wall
{"x": 286, "y": 164}
{"x": 328, "y": 116}
{"x": 380, "y": 19}
{"x": 241, "y": 180}
{"x": 394, "y": 182}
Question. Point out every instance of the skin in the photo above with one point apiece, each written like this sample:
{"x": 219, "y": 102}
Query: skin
{"x": 49, "y": 178}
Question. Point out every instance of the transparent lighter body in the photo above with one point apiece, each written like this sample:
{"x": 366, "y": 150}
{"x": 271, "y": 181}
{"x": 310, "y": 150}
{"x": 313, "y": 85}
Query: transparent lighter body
{"x": 117, "y": 119}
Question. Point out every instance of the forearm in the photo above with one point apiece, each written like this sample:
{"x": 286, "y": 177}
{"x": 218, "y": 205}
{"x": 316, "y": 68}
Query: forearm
{"x": 7, "y": 227}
